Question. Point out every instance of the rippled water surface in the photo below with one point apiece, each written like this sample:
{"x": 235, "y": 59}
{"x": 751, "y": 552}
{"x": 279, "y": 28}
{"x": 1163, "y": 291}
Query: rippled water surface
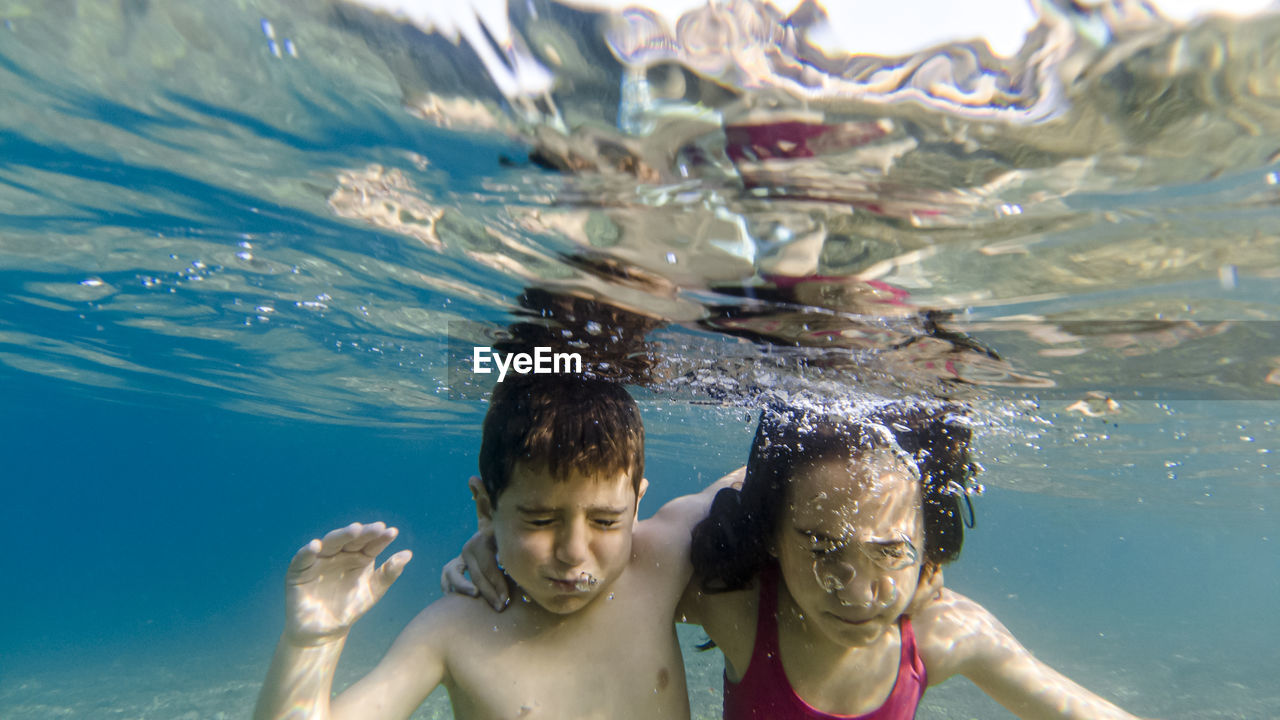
{"x": 241, "y": 244}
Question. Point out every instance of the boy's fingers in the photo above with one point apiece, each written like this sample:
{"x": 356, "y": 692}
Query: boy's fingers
{"x": 367, "y": 535}
{"x": 392, "y": 568}
{"x": 305, "y": 557}
{"x": 453, "y": 579}
{"x": 336, "y": 540}
{"x": 380, "y": 541}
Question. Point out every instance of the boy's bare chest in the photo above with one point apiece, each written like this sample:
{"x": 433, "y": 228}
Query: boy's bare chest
{"x": 591, "y": 667}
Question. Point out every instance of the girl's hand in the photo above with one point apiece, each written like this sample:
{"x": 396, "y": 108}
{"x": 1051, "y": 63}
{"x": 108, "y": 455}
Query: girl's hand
{"x": 332, "y": 582}
{"x": 479, "y": 558}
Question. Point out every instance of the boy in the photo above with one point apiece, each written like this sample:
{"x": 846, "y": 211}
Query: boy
{"x": 590, "y": 632}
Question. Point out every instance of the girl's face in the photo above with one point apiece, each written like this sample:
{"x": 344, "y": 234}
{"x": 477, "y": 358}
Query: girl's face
{"x": 850, "y": 543}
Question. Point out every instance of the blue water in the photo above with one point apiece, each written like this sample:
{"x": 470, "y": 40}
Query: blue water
{"x": 147, "y": 542}
{"x": 209, "y": 354}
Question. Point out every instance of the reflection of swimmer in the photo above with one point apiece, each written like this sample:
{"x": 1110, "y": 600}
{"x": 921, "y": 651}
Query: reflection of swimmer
{"x": 831, "y": 312}
{"x": 790, "y": 295}
{"x": 810, "y": 161}
{"x": 827, "y": 563}
{"x": 561, "y": 465}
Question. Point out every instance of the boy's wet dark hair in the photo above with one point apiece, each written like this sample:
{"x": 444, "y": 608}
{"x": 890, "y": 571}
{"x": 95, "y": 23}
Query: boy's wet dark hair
{"x": 731, "y": 545}
{"x": 563, "y": 423}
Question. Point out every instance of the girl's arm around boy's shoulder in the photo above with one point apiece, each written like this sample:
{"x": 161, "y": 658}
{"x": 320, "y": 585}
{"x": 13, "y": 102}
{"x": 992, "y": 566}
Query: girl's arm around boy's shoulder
{"x": 957, "y": 636}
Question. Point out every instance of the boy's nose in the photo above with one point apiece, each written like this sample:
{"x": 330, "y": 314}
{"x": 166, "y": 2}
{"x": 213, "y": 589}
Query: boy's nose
{"x": 571, "y": 545}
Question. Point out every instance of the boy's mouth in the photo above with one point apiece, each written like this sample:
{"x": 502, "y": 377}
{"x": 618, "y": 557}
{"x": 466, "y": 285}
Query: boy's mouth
{"x": 582, "y": 582}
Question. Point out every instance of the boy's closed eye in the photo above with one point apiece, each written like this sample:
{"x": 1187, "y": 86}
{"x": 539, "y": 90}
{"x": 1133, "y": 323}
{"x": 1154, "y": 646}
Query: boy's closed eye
{"x": 540, "y": 519}
{"x": 536, "y": 516}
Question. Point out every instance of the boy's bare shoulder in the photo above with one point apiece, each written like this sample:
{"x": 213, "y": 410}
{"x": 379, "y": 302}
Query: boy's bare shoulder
{"x": 659, "y": 544}
{"x": 446, "y": 619}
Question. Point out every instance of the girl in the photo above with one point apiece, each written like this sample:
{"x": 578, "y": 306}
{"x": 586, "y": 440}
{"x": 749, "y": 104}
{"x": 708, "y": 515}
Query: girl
{"x": 820, "y": 578}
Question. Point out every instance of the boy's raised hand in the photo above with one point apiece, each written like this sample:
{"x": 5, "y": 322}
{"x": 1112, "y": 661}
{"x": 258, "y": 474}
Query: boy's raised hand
{"x": 332, "y": 582}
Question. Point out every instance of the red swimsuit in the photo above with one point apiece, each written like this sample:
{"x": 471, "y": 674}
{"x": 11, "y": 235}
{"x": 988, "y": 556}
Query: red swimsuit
{"x": 765, "y": 694}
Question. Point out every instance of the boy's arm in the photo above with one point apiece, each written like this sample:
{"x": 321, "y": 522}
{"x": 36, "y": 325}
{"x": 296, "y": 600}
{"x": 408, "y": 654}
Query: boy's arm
{"x": 959, "y": 636}
{"x": 329, "y": 585}
{"x": 410, "y": 670}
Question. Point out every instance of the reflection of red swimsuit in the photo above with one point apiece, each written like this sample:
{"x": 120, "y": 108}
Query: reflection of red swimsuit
{"x": 765, "y": 694}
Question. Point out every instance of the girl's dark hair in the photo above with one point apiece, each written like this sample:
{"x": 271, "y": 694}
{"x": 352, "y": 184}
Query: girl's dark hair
{"x": 732, "y": 543}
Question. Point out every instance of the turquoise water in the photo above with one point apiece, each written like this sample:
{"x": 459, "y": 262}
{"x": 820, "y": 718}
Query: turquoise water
{"x": 229, "y": 281}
